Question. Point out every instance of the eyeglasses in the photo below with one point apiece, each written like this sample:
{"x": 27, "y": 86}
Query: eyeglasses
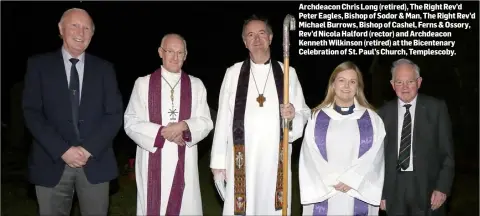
{"x": 408, "y": 82}
{"x": 173, "y": 53}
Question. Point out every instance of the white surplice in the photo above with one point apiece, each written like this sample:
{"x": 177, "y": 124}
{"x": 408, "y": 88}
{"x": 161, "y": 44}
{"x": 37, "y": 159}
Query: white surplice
{"x": 262, "y": 132}
{"x": 143, "y": 132}
{"x": 364, "y": 174}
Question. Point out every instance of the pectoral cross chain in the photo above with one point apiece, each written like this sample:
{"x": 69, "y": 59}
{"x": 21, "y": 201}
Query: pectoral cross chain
{"x": 261, "y": 99}
{"x": 172, "y": 111}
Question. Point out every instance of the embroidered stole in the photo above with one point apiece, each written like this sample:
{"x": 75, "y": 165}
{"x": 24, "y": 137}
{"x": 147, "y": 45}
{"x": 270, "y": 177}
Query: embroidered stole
{"x": 155, "y": 159}
{"x": 240, "y": 201}
{"x": 366, "y": 140}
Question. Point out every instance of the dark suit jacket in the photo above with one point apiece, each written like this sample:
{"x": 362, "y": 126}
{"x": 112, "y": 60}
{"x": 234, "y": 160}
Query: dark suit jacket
{"x": 433, "y": 155}
{"x": 47, "y": 111}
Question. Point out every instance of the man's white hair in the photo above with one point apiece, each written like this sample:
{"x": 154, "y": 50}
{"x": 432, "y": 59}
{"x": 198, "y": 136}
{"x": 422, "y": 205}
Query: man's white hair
{"x": 404, "y": 61}
{"x": 76, "y": 9}
{"x": 176, "y": 35}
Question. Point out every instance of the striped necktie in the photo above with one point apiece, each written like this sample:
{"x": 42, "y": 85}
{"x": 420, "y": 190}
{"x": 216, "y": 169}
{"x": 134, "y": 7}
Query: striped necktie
{"x": 406, "y": 140}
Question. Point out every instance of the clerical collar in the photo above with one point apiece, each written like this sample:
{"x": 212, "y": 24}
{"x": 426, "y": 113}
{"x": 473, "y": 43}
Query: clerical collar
{"x": 171, "y": 73}
{"x": 344, "y": 110}
{"x": 170, "y": 76}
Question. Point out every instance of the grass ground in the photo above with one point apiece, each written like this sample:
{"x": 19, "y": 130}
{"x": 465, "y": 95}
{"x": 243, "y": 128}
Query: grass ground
{"x": 16, "y": 200}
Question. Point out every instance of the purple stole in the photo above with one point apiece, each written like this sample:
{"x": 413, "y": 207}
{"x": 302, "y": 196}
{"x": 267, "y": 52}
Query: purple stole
{"x": 366, "y": 140}
{"x": 155, "y": 159}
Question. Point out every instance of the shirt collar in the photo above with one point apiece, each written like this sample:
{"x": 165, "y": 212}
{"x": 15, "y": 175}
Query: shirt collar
{"x": 413, "y": 102}
{"x": 66, "y": 56}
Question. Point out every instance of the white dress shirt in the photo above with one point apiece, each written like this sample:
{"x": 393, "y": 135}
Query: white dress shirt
{"x": 68, "y": 65}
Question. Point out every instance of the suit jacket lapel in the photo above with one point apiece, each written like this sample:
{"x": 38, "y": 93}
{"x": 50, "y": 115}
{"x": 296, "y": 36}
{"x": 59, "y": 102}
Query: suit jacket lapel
{"x": 420, "y": 113}
{"x": 88, "y": 76}
{"x": 394, "y": 125}
{"x": 60, "y": 76}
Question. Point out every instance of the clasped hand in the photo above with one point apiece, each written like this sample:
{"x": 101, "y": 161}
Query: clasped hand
{"x": 173, "y": 132}
{"x": 342, "y": 187}
{"x": 76, "y": 156}
{"x": 287, "y": 111}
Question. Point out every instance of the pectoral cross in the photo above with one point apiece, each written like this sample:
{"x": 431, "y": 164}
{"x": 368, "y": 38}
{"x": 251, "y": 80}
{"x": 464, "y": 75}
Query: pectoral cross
{"x": 173, "y": 113}
{"x": 261, "y": 99}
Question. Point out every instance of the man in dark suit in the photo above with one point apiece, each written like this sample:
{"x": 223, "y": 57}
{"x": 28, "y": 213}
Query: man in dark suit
{"x": 419, "y": 157}
{"x": 73, "y": 109}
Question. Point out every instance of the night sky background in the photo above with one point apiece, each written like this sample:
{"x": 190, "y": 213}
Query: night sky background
{"x": 128, "y": 34}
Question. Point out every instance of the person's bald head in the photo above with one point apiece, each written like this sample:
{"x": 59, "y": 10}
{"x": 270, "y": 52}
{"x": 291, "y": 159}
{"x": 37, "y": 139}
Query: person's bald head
{"x": 174, "y": 36}
{"x": 173, "y": 52}
{"x": 76, "y": 29}
{"x": 74, "y": 11}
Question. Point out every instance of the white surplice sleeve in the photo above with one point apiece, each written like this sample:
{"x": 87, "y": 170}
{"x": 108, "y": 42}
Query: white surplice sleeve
{"x": 200, "y": 123}
{"x": 316, "y": 177}
{"x": 223, "y": 124}
{"x": 136, "y": 118}
{"x": 302, "y": 111}
{"x": 366, "y": 175}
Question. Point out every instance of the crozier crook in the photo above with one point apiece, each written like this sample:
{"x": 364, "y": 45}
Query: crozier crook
{"x": 288, "y": 25}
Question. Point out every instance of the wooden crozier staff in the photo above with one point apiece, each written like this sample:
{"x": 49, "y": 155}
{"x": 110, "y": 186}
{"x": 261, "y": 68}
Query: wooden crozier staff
{"x": 288, "y": 24}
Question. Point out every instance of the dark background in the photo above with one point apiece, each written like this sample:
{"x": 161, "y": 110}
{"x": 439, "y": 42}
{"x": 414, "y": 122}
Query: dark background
{"x": 128, "y": 34}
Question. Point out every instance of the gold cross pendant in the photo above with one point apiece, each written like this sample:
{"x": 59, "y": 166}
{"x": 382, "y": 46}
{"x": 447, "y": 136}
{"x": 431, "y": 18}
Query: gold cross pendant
{"x": 261, "y": 99}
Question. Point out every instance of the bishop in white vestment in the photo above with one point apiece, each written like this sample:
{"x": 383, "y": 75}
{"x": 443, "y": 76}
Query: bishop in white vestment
{"x": 262, "y": 128}
{"x": 167, "y": 170}
{"x": 247, "y": 150}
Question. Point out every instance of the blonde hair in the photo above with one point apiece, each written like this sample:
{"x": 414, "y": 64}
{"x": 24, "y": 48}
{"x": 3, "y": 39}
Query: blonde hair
{"x": 330, "y": 96}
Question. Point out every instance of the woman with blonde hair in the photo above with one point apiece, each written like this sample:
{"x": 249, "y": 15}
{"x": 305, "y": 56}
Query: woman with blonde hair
{"x": 342, "y": 160}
